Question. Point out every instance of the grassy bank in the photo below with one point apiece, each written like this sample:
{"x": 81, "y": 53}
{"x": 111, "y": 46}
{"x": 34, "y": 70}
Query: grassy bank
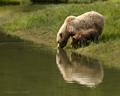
{"x": 14, "y": 2}
{"x": 40, "y": 24}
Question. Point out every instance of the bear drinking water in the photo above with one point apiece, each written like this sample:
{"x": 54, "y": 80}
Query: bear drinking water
{"x": 73, "y": 24}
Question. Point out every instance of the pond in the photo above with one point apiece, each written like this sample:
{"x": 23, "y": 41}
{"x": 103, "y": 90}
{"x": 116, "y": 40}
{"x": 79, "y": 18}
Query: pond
{"x": 27, "y": 70}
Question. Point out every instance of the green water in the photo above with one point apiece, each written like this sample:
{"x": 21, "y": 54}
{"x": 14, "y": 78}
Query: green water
{"x": 27, "y": 70}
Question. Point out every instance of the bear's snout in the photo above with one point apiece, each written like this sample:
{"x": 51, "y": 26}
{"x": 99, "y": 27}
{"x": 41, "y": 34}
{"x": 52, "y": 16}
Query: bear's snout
{"x": 58, "y": 46}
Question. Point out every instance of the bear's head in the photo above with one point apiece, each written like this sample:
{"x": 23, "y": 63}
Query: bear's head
{"x": 62, "y": 36}
{"x": 65, "y": 32}
{"x": 62, "y": 39}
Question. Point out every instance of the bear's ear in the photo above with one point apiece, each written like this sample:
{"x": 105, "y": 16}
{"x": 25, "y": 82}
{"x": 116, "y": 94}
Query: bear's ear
{"x": 61, "y": 35}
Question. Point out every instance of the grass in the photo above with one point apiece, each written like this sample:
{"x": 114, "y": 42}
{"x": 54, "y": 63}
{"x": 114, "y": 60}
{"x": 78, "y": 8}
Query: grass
{"x": 109, "y": 51}
{"x": 14, "y": 2}
{"x": 40, "y": 24}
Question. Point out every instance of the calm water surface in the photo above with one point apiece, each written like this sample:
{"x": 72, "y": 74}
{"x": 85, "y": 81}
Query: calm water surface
{"x": 26, "y": 70}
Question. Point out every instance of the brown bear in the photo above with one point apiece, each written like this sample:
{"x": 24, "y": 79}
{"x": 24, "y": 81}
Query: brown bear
{"x": 73, "y": 24}
{"x": 83, "y": 36}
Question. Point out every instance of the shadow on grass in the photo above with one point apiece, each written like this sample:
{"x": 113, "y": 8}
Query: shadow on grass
{"x": 9, "y": 3}
{"x": 65, "y": 1}
{"x": 8, "y": 38}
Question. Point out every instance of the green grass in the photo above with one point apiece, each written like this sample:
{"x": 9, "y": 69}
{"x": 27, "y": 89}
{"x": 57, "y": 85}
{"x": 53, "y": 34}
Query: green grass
{"x": 4, "y": 2}
{"x": 14, "y": 2}
{"x": 84, "y": 1}
{"x": 40, "y": 24}
{"x": 109, "y": 51}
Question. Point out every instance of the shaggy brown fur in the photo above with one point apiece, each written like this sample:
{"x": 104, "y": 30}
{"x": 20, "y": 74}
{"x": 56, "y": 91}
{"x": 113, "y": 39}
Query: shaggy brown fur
{"x": 74, "y": 24}
{"x": 83, "y": 36}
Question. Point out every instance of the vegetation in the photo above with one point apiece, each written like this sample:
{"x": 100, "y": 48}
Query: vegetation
{"x": 16, "y": 2}
{"x": 66, "y": 1}
{"x": 3, "y": 2}
{"x": 40, "y": 24}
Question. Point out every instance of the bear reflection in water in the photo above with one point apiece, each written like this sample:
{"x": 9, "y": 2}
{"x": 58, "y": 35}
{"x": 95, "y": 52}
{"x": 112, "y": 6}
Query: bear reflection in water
{"x": 80, "y": 69}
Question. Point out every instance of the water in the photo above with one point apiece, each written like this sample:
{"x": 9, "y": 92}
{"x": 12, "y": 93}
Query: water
{"x": 27, "y": 70}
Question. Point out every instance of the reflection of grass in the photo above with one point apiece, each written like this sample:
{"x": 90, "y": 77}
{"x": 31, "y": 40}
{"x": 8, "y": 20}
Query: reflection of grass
{"x": 40, "y": 23}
